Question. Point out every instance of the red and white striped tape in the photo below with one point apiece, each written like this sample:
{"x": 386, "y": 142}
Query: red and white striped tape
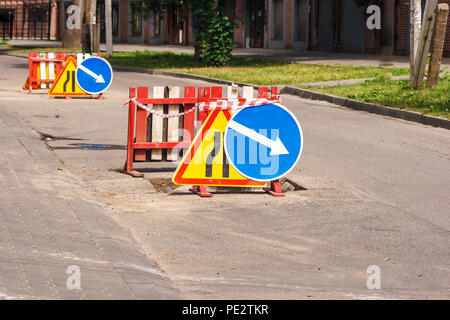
{"x": 233, "y": 104}
{"x": 228, "y": 104}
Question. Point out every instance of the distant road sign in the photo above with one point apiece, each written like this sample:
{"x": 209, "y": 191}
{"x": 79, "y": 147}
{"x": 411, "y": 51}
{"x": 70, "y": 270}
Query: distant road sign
{"x": 94, "y": 75}
{"x": 263, "y": 143}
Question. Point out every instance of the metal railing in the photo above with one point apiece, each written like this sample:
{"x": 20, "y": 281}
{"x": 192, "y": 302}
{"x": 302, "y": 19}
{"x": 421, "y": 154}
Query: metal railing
{"x": 29, "y": 19}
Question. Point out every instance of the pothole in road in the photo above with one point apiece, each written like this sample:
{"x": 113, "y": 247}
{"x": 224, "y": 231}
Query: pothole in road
{"x": 288, "y": 185}
{"x": 49, "y": 137}
{"x": 165, "y": 185}
{"x": 44, "y": 116}
{"x": 83, "y": 146}
{"x": 86, "y": 146}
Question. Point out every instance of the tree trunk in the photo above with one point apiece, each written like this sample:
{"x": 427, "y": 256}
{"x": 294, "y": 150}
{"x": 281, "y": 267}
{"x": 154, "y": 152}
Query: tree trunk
{"x": 415, "y": 27}
{"x": 90, "y": 33}
{"x": 108, "y": 25}
{"x": 437, "y": 45}
{"x": 85, "y": 35}
{"x": 424, "y": 43}
{"x": 72, "y": 31}
{"x": 92, "y": 26}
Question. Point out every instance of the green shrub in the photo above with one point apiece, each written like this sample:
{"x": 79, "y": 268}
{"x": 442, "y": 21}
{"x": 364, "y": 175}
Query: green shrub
{"x": 214, "y": 33}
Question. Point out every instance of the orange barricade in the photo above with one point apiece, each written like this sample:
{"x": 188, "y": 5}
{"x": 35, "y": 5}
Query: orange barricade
{"x": 150, "y": 136}
{"x": 43, "y": 68}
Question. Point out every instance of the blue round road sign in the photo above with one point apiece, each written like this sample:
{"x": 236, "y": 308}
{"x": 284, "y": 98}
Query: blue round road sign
{"x": 263, "y": 143}
{"x": 94, "y": 75}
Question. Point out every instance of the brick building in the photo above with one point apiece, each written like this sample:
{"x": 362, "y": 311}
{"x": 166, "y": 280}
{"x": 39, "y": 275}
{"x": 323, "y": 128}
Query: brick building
{"x": 323, "y": 25}
{"x": 401, "y": 43}
{"x": 46, "y": 19}
{"x": 29, "y": 19}
{"x": 129, "y": 23}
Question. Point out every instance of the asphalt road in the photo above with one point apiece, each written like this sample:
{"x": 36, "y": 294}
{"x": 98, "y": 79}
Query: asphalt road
{"x": 377, "y": 194}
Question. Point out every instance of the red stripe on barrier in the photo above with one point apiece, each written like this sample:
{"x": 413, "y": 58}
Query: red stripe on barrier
{"x": 189, "y": 119}
{"x": 130, "y": 145}
{"x": 141, "y": 124}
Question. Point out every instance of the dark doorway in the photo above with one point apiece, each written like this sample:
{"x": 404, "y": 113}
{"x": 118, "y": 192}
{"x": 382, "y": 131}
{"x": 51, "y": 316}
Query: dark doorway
{"x": 6, "y": 23}
{"x": 255, "y": 22}
{"x": 277, "y": 20}
{"x": 38, "y": 20}
{"x": 401, "y": 27}
{"x": 301, "y": 20}
{"x": 353, "y": 26}
{"x": 326, "y": 25}
{"x": 388, "y": 27}
{"x": 175, "y": 14}
{"x": 100, "y": 17}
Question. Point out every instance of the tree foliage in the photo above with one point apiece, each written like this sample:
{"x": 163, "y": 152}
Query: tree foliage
{"x": 214, "y": 32}
{"x": 213, "y": 28}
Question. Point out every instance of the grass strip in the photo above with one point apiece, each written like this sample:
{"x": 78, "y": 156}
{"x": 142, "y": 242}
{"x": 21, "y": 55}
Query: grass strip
{"x": 251, "y": 70}
{"x": 398, "y": 94}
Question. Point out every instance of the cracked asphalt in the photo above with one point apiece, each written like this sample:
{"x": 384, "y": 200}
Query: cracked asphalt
{"x": 377, "y": 193}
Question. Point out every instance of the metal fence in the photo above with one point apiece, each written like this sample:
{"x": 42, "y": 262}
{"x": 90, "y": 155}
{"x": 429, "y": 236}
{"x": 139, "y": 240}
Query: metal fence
{"x": 28, "y": 19}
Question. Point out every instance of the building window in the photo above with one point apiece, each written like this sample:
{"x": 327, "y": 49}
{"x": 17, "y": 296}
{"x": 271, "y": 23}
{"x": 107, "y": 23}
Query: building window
{"x": 277, "y": 24}
{"x": 301, "y": 19}
{"x": 115, "y": 19}
{"x": 136, "y": 20}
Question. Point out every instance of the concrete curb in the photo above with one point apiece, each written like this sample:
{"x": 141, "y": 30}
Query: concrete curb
{"x": 16, "y": 55}
{"x": 370, "y": 107}
{"x": 311, "y": 95}
{"x": 306, "y": 94}
{"x": 181, "y": 75}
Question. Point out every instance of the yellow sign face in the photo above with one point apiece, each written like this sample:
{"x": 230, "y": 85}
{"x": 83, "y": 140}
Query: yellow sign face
{"x": 66, "y": 82}
{"x": 205, "y": 163}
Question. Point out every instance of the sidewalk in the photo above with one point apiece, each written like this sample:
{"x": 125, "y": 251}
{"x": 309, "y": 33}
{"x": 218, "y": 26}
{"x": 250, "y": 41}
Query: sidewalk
{"x": 313, "y": 57}
{"x": 48, "y": 223}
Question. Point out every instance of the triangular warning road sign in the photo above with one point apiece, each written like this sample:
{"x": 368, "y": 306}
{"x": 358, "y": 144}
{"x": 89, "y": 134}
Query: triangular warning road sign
{"x": 205, "y": 162}
{"x": 66, "y": 82}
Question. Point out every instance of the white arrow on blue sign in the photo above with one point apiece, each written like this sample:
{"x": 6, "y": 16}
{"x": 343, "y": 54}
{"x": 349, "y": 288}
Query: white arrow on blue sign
{"x": 94, "y": 75}
{"x": 263, "y": 143}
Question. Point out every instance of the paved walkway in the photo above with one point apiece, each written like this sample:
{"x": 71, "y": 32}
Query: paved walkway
{"x": 314, "y": 57}
{"x": 47, "y": 225}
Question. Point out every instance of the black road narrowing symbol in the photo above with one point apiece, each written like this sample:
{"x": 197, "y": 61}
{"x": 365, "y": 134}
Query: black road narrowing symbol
{"x": 214, "y": 153}
{"x": 69, "y": 78}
